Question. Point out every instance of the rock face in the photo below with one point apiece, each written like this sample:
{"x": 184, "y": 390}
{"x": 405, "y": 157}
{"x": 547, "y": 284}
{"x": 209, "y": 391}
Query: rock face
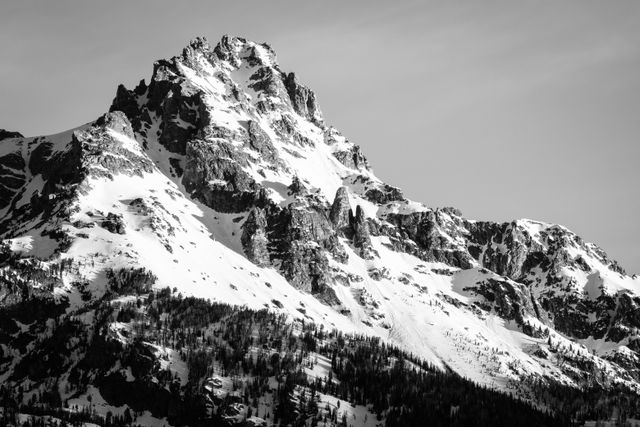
{"x": 296, "y": 187}
{"x": 12, "y": 168}
{"x": 214, "y": 173}
{"x": 302, "y": 99}
{"x": 306, "y": 238}
{"x": 6, "y": 134}
{"x": 432, "y": 236}
{"x": 361, "y": 238}
{"x": 384, "y": 195}
{"x": 259, "y": 141}
{"x": 221, "y": 176}
{"x": 103, "y": 149}
{"x": 113, "y": 223}
{"x": 254, "y": 237}
{"x": 340, "y": 209}
{"x": 109, "y": 147}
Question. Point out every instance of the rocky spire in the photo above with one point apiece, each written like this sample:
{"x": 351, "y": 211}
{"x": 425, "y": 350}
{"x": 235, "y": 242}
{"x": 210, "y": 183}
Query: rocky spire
{"x": 296, "y": 187}
{"x": 254, "y": 237}
{"x": 303, "y": 100}
{"x": 361, "y": 237}
{"x": 340, "y": 208}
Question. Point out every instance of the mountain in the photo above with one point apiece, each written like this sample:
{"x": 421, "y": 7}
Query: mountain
{"x": 129, "y": 243}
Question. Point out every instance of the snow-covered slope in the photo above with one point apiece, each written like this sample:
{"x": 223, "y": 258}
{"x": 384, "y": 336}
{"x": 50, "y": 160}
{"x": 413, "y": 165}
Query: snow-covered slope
{"x": 222, "y": 179}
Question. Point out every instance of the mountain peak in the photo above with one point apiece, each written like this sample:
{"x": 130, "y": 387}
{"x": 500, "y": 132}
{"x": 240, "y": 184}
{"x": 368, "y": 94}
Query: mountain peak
{"x": 230, "y": 52}
{"x": 200, "y": 43}
{"x": 220, "y": 178}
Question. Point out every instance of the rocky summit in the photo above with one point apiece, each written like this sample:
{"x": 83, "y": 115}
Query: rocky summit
{"x": 210, "y": 250}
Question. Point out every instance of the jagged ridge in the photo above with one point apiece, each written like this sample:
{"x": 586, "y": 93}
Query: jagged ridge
{"x": 223, "y": 157}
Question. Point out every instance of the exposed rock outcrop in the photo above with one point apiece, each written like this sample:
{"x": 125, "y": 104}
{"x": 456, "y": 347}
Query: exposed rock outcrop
{"x": 214, "y": 173}
{"x": 12, "y": 167}
{"x": 384, "y": 194}
{"x": 260, "y": 141}
{"x": 6, "y": 134}
{"x": 297, "y": 188}
{"x": 254, "y": 237}
{"x": 340, "y": 209}
{"x": 428, "y": 235}
{"x": 303, "y": 100}
{"x": 114, "y": 223}
{"x": 361, "y": 237}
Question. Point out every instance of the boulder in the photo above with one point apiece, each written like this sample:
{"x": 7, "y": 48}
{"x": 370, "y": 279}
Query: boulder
{"x": 114, "y": 223}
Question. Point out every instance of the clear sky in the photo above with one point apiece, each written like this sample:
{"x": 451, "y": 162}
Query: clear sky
{"x": 504, "y": 109}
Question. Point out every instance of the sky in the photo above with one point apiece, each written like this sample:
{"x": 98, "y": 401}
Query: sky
{"x": 503, "y": 109}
